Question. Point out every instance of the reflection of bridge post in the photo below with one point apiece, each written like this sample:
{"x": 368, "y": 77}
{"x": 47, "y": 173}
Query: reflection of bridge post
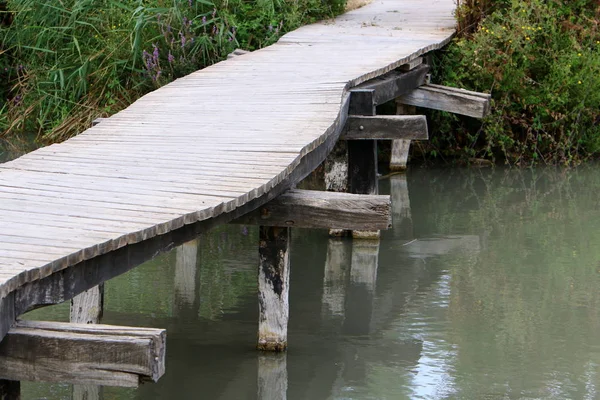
{"x": 401, "y": 214}
{"x": 87, "y": 308}
{"x": 361, "y": 291}
{"x": 185, "y": 273}
{"x": 334, "y": 282}
{"x": 273, "y": 287}
{"x": 272, "y": 376}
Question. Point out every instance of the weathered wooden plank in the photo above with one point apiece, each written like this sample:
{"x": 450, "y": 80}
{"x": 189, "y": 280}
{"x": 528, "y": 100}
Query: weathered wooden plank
{"x": 323, "y": 210}
{"x": 83, "y": 354}
{"x": 390, "y": 127}
{"x": 457, "y": 101}
{"x": 273, "y": 288}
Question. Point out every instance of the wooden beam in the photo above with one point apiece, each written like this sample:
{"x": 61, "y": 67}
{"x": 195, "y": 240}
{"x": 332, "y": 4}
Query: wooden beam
{"x": 386, "y": 88}
{"x": 82, "y": 354}
{"x": 412, "y": 64}
{"x": 273, "y": 288}
{"x": 320, "y": 209}
{"x": 386, "y": 127}
{"x": 457, "y": 101}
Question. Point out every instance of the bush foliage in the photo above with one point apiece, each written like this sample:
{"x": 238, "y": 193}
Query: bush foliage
{"x": 65, "y": 63}
{"x": 540, "y": 60}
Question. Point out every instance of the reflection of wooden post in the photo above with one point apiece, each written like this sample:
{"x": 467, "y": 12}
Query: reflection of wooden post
{"x": 87, "y": 308}
{"x": 336, "y": 174}
{"x": 10, "y": 390}
{"x": 334, "y": 282}
{"x": 401, "y": 214}
{"x": 400, "y": 147}
{"x": 273, "y": 288}
{"x": 87, "y": 392}
{"x": 272, "y": 376}
{"x": 185, "y": 273}
{"x": 363, "y": 279}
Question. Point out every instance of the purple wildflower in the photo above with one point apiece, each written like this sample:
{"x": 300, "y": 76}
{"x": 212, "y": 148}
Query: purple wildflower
{"x": 170, "y": 58}
{"x": 182, "y": 39}
{"x": 204, "y": 20}
{"x": 270, "y": 28}
{"x": 190, "y": 2}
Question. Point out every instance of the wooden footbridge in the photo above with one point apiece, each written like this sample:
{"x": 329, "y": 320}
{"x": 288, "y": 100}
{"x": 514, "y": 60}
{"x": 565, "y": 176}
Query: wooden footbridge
{"x": 222, "y": 144}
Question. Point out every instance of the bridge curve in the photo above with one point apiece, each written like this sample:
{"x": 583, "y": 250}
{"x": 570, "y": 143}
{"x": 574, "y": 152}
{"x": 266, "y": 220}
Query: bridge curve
{"x": 213, "y": 144}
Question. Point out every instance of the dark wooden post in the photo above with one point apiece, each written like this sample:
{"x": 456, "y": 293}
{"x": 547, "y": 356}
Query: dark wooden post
{"x": 362, "y": 156}
{"x": 10, "y": 390}
{"x": 272, "y": 376}
{"x": 273, "y": 288}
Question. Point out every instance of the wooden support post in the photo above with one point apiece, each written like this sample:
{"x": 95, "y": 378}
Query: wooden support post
{"x": 10, "y": 390}
{"x": 401, "y": 147}
{"x": 361, "y": 292}
{"x": 334, "y": 281}
{"x": 185, "y": 273}
{"x": 272, "y": 376}
{"x": 273, "y": 288}
{"x": 82, "y": 354}
{"x": 362, "y": 154}
{"x": 87, "y": 308}
{"x": 318, "y": 209}
{"x": 336, "y": 175}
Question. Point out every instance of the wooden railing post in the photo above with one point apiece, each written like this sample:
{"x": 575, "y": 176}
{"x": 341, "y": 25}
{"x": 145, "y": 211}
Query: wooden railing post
{"x": 273, "y": 288}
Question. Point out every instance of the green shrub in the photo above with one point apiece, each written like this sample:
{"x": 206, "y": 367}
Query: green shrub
{"x": 541, "y": 62}
{"x": 65, "y": 63}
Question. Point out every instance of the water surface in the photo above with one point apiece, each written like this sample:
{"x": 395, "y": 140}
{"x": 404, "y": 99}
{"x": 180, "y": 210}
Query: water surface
{"x": 486, "y": 288}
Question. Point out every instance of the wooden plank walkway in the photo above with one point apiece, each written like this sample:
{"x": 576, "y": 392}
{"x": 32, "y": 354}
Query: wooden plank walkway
{"x": 242, "y": 130}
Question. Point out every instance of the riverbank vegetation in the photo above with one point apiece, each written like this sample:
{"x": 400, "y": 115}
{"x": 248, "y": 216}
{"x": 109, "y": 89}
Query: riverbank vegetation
{"x": 540, "y": 60}
{"x": 66, "y": 63}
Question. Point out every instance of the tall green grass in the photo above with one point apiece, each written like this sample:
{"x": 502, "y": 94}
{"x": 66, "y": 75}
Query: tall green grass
{"x": 65, "y": 63}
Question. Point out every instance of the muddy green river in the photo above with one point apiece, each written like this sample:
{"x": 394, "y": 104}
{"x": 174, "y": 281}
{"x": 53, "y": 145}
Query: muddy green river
{"x": 488, "y": 287}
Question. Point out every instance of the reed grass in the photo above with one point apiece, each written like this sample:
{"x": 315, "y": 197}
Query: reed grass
{"x": 63, "y": 64}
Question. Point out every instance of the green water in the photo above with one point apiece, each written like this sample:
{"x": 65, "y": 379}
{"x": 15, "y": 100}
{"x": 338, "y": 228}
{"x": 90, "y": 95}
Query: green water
{"x": 488, "y": 287}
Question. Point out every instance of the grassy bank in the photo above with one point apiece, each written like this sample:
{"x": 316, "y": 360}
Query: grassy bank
{"x": 540, "y": 60}
{"x": 63, "y": 64}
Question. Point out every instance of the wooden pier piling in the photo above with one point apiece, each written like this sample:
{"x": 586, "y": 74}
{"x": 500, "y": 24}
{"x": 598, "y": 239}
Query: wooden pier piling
{"x": 273, "y": 287}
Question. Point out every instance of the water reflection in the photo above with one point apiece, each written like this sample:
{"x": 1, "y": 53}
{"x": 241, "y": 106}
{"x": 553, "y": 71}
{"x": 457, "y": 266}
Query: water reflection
{"x": 487, "y": 287}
